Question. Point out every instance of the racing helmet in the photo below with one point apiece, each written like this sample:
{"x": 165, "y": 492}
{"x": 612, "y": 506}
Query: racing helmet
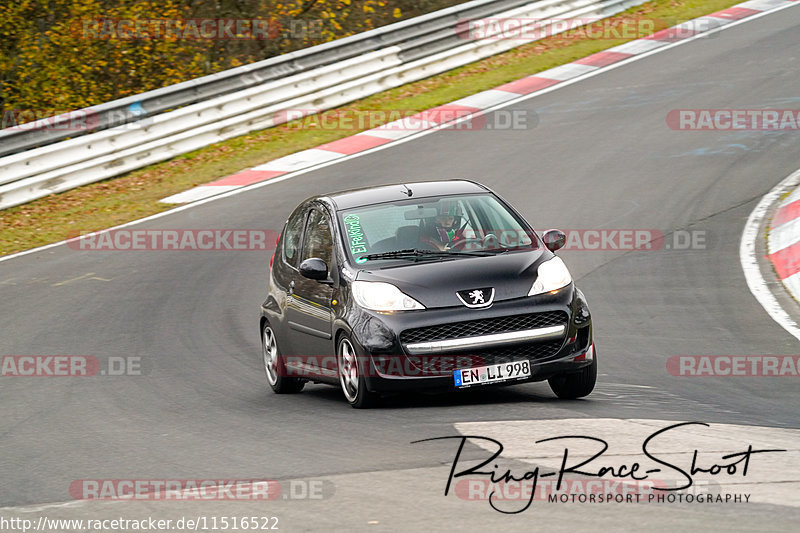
{"x": 449, "y": 208}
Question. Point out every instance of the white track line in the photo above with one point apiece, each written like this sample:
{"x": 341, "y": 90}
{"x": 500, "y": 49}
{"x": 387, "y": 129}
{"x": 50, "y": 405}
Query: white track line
{"x": 422, "y": 133}
{"x": 749, "y": 259}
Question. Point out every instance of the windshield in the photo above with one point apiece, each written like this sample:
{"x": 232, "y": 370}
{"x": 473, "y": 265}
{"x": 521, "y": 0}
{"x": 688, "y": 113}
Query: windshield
{"x": 415, "y": 229}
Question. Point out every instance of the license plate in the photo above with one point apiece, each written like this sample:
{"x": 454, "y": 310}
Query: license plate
{"x": 482, "y": 375}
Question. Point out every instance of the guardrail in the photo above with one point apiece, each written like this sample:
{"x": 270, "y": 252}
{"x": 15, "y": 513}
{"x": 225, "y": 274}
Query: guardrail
{"x": 217, "y": 107}
{"x": 137, "y": 107}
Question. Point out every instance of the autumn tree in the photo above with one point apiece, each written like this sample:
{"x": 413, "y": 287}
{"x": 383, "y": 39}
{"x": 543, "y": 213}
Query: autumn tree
{"x": 57, "y": 54}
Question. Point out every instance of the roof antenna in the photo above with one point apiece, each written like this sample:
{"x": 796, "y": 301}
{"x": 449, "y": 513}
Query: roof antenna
{"x": 408, "y": 191}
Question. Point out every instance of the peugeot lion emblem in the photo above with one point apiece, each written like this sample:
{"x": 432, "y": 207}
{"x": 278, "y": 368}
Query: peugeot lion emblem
{"x": 474, "y": 298}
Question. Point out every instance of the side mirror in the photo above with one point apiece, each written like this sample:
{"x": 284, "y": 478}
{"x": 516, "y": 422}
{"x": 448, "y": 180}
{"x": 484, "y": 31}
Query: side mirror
{"x": 314, "y": 268}
{"x": 554, "y": 239}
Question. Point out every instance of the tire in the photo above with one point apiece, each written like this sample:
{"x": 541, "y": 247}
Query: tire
{"x": 274, "y": 367}
{"x": 575, "y": 384}
{"x": 351, "y": 375}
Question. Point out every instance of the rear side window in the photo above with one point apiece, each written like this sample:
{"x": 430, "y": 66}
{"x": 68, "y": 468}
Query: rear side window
{"x": 318, "y": 240}
{"x": 292, "y": 236}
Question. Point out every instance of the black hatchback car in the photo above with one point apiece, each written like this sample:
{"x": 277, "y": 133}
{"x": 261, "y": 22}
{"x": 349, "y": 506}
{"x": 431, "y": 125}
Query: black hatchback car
{"x": 421, "y": 286}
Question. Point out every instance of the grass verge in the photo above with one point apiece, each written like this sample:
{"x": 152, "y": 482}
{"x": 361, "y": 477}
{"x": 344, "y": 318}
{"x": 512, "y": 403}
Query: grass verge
{"x": 136, "y": 194}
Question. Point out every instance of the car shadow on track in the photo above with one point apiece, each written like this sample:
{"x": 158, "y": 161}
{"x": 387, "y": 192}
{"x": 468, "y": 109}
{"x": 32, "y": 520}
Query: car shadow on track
{"x": 515, "y": 394}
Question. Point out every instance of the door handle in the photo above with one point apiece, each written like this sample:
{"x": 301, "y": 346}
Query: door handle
{"x": 291, "y": 288}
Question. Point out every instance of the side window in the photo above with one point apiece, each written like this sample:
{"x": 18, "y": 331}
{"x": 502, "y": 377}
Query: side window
{"x": 291, "y": 237}
{"x": 318, "y": 241}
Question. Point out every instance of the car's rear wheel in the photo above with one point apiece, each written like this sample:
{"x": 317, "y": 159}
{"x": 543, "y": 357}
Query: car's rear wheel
{"x": 351, "y": 375}
{"x": 274, "y": 366}
{"x": 575, "y": 384}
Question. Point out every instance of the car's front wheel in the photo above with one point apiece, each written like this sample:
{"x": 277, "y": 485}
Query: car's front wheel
{"x": 274, "y": 367}
{"x": 575, "y": 384}
{"x": 351, "y": 375}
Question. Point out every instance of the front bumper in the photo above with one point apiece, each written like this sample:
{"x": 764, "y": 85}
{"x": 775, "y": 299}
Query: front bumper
{"x": 392, "y": 365}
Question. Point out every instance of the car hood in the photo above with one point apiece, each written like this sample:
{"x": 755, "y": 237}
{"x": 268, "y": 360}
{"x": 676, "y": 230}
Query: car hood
{"x": 435, "y": 283}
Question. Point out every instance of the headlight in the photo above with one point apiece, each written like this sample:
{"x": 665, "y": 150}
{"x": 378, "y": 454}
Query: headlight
{"x": 379, "y": 296}
{"x": 551, "y": 276}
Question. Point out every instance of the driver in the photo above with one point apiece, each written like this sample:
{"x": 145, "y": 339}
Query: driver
{"x": 443, "y": 229}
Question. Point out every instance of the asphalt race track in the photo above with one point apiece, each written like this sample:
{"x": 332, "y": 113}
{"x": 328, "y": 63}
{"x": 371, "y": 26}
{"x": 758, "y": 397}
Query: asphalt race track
{"x": 600, "y": 157}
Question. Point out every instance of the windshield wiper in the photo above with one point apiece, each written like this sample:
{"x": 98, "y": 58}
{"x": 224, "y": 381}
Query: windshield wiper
{"x": 415, "y": 252}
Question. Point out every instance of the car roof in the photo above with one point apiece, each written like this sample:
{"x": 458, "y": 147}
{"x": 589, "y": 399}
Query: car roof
{"x": 399, "y": 191}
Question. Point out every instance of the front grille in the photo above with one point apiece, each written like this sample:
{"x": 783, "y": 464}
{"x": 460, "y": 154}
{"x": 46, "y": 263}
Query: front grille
{"x": 486, "y": 326}
{"x": 444, "y": 364}
{"x": 532, "y": 351}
